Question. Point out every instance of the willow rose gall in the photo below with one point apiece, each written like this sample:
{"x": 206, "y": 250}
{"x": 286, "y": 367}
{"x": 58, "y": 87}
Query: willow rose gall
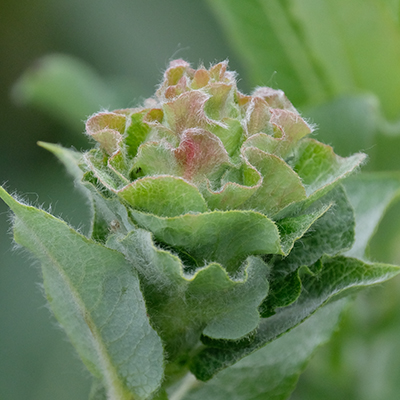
{"x": 219, "y": 225}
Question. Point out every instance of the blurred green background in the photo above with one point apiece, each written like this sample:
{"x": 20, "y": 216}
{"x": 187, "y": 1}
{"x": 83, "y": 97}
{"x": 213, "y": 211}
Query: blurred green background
{"x": 339, "y": 63}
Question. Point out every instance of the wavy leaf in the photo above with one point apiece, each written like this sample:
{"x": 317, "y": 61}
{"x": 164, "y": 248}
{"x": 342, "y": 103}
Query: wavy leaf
{"x": 271, "y": 372}
{"x": 281, "y": 186}
{"x": 225, "y": 237}
{"x": 338, "y": 276}
{"x": 331, "y": 234}
{"x": 208, "y": 301}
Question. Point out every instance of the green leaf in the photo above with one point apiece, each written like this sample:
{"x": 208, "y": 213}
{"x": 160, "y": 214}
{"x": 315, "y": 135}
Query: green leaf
{"x": 230, "y": 133}
{"x": 155, "y": 158}
{"x": 330, "y": 234}
{"x": 370, "y": 194}
{"x": 208, "y": 301}
{"x": 99, "y": 164}
{"x": 65, "y": 87}
{"x": 166, "y": 196}
{"x": 238, "y": 185}
{"x": 272, "y": 372}
{"x": 319, "y": 167}
{"x": 280, "y": 187}
{"x": 285, "y": 289}
{"x": 238, "y": 316}
{"x": 95, "y": 295}
{"x": 70, "y": 158}
{"x": 108, "y": 212}
{"x": 225, "y": 237}
{"x": 136, "y": 133}
{"x": 109, "y": 215}
{"x": 293, "y": 228}
{"x": 264, "y": 35}
{"x": 338, "y": 276}
{"x": 342, "y": 45}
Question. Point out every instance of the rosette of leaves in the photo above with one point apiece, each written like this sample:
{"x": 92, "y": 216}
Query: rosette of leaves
{"x": 219, "y": 225}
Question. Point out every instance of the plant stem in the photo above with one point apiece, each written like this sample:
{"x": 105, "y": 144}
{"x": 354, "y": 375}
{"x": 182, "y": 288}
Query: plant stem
{"x": 188, "y": 382}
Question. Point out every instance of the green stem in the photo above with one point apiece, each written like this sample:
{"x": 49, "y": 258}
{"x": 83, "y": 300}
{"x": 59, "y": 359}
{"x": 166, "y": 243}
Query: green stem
{"x": 187, "y": 383}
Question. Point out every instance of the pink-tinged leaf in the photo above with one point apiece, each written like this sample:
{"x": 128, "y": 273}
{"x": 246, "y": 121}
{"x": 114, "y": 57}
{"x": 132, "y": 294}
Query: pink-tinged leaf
{"x": 218, "y": 73}
{"x": 186, "y": 111}
{"x": 201, "y": 154}
{"x": 175, "y": 90}
{"x": 220, "y": 104}
{"x": 107, "y": 129}
{"x": 175, "y": 71}
{"x": 288, "y": 129}
{"x": 200, "y": 79}
{"x": 258, "y": 116}
{"x": 274, "y": 98}
{"x": 293, "y": 127}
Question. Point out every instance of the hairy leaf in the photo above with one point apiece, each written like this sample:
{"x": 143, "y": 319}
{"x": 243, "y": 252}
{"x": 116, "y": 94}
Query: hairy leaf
{"x": 337, "y": 276}
{"x": 95, "y": 295}
{"x": 226, "y": 237}
{"x": 272, "y": 372}
{"x": 208, "y": 301}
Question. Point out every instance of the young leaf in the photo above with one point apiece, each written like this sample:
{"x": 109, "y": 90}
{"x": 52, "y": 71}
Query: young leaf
{"x": 208, "y": 301}
{"x": 225, "y": 237}
{"x": 95, "y": 295}
{"x": 339, "y": 275}
{"x": 272, "y": 372}
{"x": 330, "y": 234}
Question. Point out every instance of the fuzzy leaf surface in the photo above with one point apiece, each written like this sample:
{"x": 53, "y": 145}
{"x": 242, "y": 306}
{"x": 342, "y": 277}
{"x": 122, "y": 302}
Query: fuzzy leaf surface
{"x": 96, "y": 297}
{"x": 272, "y": 372}
{"x": 338, "y": 275}
{"x": 208, "y": 301}
{"x": 330, "y": 234}
{"x": 226, "y": 237}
